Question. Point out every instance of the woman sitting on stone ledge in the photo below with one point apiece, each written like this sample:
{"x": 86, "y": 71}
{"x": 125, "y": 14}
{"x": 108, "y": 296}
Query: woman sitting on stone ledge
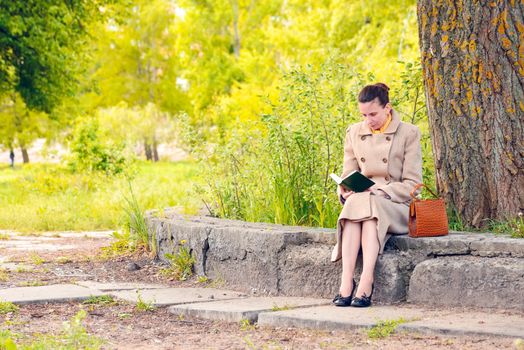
{"x": 387, "y": 150}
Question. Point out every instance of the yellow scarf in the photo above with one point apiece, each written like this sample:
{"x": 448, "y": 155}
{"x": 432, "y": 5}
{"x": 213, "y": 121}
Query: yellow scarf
{"x": 384, "y": 127}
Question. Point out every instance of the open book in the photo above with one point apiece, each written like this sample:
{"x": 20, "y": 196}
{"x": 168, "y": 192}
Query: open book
{"x": 355, "y": 181}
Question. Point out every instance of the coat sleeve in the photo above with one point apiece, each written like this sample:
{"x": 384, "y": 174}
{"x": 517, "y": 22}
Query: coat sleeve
{"x": 399, "y": 191}
{"x": 350, "y": 161}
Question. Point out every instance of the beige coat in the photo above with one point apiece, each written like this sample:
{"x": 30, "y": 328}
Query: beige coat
{"x": 393, "y": 160}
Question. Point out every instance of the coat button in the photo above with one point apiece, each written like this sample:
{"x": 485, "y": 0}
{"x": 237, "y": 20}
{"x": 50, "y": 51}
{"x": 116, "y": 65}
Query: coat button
{"x": 387, "y": 178}
{"x": 385, "y": 160}
{"x": 363, "y": 138}
{"x": 362, "y": 159}
{"x": 388, "y": 138}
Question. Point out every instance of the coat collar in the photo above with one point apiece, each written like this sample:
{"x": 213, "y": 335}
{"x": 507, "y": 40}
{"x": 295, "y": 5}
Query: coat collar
{"x": 391, "y": 129}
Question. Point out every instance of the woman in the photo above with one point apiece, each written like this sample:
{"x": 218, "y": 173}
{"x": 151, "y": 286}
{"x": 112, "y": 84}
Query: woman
{"x": 386, "y": 150}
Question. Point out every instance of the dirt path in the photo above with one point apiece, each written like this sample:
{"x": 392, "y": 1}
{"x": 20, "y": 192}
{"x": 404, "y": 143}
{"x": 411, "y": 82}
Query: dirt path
{"x": 69, "y": 257}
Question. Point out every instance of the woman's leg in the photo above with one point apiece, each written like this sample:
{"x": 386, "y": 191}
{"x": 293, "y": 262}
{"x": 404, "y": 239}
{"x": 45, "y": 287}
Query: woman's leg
{"x": 351, "y": 234}
{"x": 370, "y": 249}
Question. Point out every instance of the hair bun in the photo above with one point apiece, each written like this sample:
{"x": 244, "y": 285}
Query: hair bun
{"x": 382, "y": 86}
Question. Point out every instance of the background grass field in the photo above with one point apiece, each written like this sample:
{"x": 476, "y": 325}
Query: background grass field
{"x": 48, "y": 197}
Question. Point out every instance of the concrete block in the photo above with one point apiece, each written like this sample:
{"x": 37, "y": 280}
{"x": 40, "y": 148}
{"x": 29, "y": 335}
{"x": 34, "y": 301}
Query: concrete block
{"x": 498, "y": 246}
{"x": 469, "y": 281}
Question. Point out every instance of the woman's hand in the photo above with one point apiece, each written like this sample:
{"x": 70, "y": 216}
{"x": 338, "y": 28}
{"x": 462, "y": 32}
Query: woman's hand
{"x": 343, "y": 192}
{"x": 373, "y": 189}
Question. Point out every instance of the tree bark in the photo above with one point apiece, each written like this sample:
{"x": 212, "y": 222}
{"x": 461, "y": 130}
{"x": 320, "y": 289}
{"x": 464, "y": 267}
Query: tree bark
{"x": 25, "y": 155}
{"x": 236, "y": 43}
{"x": 147, "y": 150}
{"x": 473, "y": 65}
{"x": 155, "y": 150}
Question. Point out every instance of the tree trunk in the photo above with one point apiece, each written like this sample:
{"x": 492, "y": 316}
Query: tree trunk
{"x": 25, "y": 156}
{"x": 147, "y": 150}
{"x": 155, "y": 150}
{"x": 473, "y": 65}
{"x": 236, "y": 43}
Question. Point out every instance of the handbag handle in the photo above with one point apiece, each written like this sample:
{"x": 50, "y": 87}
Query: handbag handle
{"x": 417, "y": 186}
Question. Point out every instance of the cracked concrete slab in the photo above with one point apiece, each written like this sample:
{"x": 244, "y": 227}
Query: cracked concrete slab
{"x": 470, "y": 323}
{"x": 412, "y": 319}
{"x": 332, "y": 317}
{"x": 173, "y": 296}
{"x": 116, "y": 286}
{"x": 242, "y": 309}
{"x": 54, "y": 293}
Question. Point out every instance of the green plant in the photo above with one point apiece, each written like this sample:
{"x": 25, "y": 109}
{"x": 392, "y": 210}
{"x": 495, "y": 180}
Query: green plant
{"x": 181, "y": 263}
{"x": 100, "y": 300}
{"x": 63, "y": 260}
{"x": 4, "y": 275}
{"x": 202, "y": 279}
{"x": 384, "y": 328}
{"x": 122, "y": 245}
{"x": 32, "y": 283}
{"x": 247, "y": 325}
{"x": 142, "y": 305}
{"x": 135, "y": 222}
{"x": 92, "y": 152}
{"x": 513, "y": 227}
{"x": 36, "y": 259}
{"x": 73, "y": 336}
{"x": 4, "y": 237}
{"x": 6, "y": 340}
{"x": 7, "y": 307}
{"x": 280, "y": 308}
{"x": 23, "y": 269}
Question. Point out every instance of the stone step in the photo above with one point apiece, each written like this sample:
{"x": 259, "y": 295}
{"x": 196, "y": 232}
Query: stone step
{"x": 295, "y": 261}
{"x": 469, "y": 281}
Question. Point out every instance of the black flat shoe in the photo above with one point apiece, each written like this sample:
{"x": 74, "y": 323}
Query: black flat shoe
{"x": 364, "y": 300}
{"x": 339, "y": 300}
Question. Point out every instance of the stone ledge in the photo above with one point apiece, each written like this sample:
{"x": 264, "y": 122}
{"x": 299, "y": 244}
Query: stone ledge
{"x": 270, "y": 259}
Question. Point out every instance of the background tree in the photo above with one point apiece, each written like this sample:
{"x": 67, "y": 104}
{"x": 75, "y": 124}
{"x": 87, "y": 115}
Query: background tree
{"x": 41, "y": 54}
{"x": 473, "y": 63}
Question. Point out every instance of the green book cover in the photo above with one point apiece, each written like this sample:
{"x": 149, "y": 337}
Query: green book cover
{"x": 355, "y": 181}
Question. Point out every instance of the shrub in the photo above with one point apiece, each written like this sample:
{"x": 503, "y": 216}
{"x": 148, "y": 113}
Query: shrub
{"x": 91, "y": 152}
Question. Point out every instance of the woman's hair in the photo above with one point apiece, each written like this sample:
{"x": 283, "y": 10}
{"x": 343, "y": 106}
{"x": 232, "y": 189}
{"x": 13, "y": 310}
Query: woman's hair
{"x": 371, "y": 92}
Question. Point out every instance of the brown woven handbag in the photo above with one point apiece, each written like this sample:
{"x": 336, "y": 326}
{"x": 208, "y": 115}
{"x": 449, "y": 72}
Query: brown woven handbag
{"x": 427, "y": 217}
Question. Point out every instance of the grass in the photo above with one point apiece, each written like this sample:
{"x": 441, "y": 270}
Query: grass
{"x": 105, "y": 300}
{"x": 47, "y": 197}
{"x": 36, "y": 259}
{"x": 181, "y": 263}
{"x": 513, "y": 227}
{"x": 121, "y": 245}
{"x": 280, "y": 308}
{"x": 7, "y": 307}
{"x": 142, "y": 305}
{"x": 72, "y": 336}
{"x": 385, "y": 328}
{"x": 247, "y": 325}
{"x": 4, "y": 275}
{"x": 31, "y": 284}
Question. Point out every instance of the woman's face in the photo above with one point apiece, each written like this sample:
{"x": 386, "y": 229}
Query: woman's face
{"x": 374, "y": 114}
